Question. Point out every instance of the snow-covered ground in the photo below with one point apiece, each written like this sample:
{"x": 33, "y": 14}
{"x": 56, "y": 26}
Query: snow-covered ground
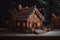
{"x": 50, "y": 33}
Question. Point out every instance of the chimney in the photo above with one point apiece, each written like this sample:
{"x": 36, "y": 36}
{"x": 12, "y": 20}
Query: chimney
{"x": 27, "y": 7}
{"x": 20, "y": 7}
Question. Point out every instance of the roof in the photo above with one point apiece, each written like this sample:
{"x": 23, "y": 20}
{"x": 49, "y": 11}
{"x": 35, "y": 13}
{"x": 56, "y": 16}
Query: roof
{"x": 38, "y": 14}
{"x": 24, "y": 13}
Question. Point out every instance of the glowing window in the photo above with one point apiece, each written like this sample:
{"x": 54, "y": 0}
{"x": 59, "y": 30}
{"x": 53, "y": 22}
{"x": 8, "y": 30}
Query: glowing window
{"x": 24, "y": 24}
{"x": 30, "y": 24}
{"x": 18, "y": 24}
{"x": 38, "y": 23}
{"x": 35, "y": 16}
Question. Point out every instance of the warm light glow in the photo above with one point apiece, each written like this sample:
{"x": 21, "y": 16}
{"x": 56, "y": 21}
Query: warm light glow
{"x": 20, "y": 7}
{"x": 24, "y": 24}
{"x": 35, "y": 16}
{"x": 30, "y": 24}
{"x": 34, "y": 19}
{"x": 38, "y": 23}
{"x": 27, "y": 7}
{"x": 18, "y": 24}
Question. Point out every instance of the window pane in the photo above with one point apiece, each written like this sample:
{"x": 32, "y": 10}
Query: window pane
{"x": 24, "y": 24}
{"x": 18, "y": 24}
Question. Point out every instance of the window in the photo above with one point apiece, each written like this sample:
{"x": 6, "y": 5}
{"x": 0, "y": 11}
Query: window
{"x": 24, "y": 24}
{"x": 38, "y": 23}
{"x": 18, "y": 24}
{"x": 31, "y": 24}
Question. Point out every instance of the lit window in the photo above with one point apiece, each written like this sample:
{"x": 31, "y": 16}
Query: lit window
{"x": 24, "y": 24}
{"x": 38, "y": 23}
{"x": 30, "y": 24}
{"x": 18, "y": 24}
{"x": 34, "y": 16}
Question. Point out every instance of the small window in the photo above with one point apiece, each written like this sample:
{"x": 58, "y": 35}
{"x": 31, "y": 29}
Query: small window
{"x": 38, "y": 23}
{"x": 18, "y": 24}
{"x": 30, "y": 24}
{"x": 24, "y": 24}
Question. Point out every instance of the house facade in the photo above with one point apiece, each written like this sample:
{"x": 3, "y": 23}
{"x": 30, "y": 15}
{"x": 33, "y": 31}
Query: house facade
{"x": 29, "y": 17}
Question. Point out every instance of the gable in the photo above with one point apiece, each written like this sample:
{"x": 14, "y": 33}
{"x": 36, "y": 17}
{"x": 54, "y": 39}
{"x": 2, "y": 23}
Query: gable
{"x": 36, "y": 15}
{"x": 36, "y": 11}
{"x": 33, "y": 17}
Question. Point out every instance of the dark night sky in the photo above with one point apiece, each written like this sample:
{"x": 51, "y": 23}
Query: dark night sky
{"x": 3, "y": 9}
